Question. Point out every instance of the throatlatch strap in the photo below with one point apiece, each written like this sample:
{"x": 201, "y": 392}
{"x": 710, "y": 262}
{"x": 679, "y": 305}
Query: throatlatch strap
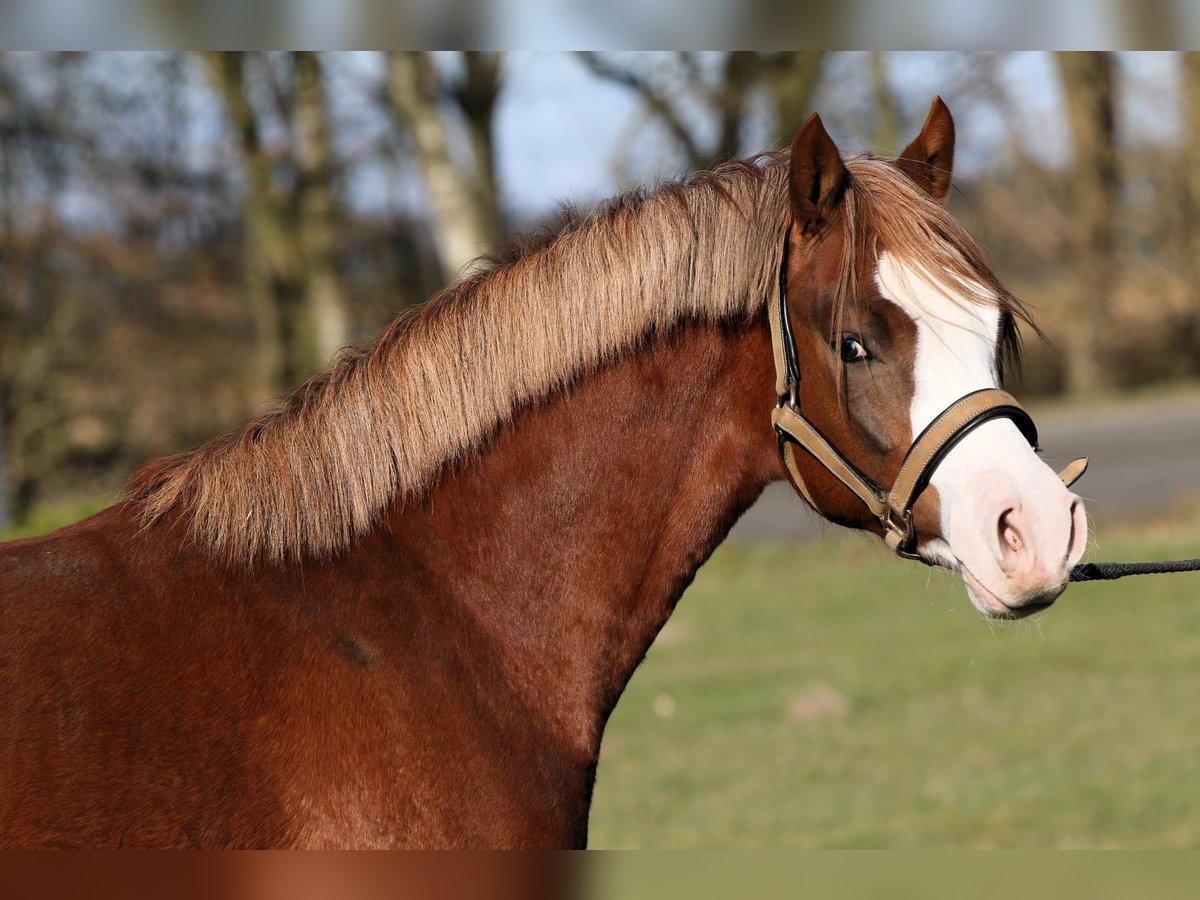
{"x": 801, "y": 432}
{"x": 789, "y": 460}
{"x": 773, "y": 313}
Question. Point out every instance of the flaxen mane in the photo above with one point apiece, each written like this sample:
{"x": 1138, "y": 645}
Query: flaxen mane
{"x": 388, "y": 416}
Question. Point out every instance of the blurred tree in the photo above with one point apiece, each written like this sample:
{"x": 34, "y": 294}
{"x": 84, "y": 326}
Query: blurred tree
{"x": 318, "y": 215}
{"x": 36, "y": 146}
{"x": 789, "y": 79}
{"x": 461, "y": 187}
{"x": 1088, "y": 81}
{"x": 290, "y": 208}
{"x": 1151, "y": 24}
{"x": 129, "y": 242}
{"x": 793, "y": 79}
{"x": 5, "y": 515}
{"x": 1189, "y": 244}
{"x": 887, "y": 115}
{"x": 660, "y": 101}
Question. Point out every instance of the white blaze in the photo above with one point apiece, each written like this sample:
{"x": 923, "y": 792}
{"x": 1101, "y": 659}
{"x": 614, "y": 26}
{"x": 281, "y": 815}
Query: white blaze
{"x": 956, "y": 339}
{"x": 993, "y": 469}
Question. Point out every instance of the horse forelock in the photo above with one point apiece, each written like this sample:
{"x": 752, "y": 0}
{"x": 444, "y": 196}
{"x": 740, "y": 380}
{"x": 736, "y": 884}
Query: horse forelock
{"x": 885, "y": 212}
{"x": 388, "y": 416}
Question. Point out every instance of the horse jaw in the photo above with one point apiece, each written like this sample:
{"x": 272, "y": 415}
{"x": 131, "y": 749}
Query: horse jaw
{"x": 1009, "y": 526}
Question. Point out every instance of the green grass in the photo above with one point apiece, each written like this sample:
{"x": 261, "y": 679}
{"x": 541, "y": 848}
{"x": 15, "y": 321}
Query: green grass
{"x": 830, "y": 696}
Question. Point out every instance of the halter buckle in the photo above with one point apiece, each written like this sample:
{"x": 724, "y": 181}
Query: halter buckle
{"x": 791, "y": 398}
{"x": 899, "y": 535}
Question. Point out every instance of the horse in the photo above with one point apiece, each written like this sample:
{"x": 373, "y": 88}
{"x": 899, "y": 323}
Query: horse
{"x": 398, "y": 610}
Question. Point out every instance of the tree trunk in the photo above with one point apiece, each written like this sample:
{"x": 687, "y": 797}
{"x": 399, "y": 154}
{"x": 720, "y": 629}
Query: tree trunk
{"x": 741, "y": 72}
{"x": 263, "y": 239}
{"x": 27, "y": 305}
{"x": 291, "y": 274}
{"x": 1190, "y": 200}
{"x": 1150, "y": 24}
{"x": 318, "y": 213}
{"x": 796, "y": 83}
{"x": 477, "y": 100}
{"x": 6, "y": 238}
{"x": 5, "y": 515}
{"x": 464, "y": 225}
{"x": 1088, "y": 82}
{"x": 887, "y": 126}
{"x": 8, "y": 322}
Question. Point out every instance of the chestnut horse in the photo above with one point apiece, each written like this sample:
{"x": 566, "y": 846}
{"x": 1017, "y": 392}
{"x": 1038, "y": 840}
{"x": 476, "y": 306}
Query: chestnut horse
{"x": 399, "y": 610}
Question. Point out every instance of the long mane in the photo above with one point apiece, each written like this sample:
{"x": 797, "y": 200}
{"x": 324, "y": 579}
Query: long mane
{"x": 387, "y": 418}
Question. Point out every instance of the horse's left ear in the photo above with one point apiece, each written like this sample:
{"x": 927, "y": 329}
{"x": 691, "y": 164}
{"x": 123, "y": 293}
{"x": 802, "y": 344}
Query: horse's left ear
{"x": 929, "y": 159}
{"x": 817, "y": 178}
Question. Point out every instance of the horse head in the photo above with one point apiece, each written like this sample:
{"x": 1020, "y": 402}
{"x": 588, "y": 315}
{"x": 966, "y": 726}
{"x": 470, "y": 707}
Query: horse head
{"x": 896, "y": 324}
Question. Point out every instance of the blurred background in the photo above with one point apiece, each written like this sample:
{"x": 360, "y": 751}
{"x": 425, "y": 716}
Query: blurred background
{"x": 184, "y": 237}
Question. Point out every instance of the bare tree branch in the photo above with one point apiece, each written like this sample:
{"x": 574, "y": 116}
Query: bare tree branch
{"x": 660, "y": 105}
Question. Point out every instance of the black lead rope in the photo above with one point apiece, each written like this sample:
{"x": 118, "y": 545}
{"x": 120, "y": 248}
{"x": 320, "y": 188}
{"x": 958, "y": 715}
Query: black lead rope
{"x": 1112, "y": 571}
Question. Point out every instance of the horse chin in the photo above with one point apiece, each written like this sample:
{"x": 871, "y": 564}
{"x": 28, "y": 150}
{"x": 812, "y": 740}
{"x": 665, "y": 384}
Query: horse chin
{"x": 937, "y": 552}
{"x": 993, "y": 607}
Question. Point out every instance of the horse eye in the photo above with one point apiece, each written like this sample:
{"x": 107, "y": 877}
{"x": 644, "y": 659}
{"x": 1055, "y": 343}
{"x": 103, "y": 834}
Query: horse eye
{"x": 853, "y": 350}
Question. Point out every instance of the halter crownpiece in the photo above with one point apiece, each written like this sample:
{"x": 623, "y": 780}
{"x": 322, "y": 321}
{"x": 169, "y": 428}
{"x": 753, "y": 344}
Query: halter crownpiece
{"x": 892, "y": 508}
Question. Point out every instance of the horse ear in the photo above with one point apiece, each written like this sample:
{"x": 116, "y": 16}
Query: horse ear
{"x": 818, "y": 176}
{"x": 929, "y": 159}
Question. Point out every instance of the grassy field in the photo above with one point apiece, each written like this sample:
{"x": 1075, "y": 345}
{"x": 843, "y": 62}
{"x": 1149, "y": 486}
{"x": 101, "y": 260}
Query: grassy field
{"x": 830, "y": 696}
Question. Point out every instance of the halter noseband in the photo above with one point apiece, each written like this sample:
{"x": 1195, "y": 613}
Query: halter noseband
{"x": 893, "y": 508}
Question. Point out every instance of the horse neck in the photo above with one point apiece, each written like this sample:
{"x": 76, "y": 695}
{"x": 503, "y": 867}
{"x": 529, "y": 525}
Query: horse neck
{"x": 568, "y": 540}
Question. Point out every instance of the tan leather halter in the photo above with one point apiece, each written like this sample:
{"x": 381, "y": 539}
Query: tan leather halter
{"x": 893, "y": 508}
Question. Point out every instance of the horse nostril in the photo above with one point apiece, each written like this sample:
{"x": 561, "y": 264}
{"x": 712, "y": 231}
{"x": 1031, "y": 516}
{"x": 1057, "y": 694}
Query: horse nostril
{"x": 1077, "y": 540}
{"x": 1011, "y": 541}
